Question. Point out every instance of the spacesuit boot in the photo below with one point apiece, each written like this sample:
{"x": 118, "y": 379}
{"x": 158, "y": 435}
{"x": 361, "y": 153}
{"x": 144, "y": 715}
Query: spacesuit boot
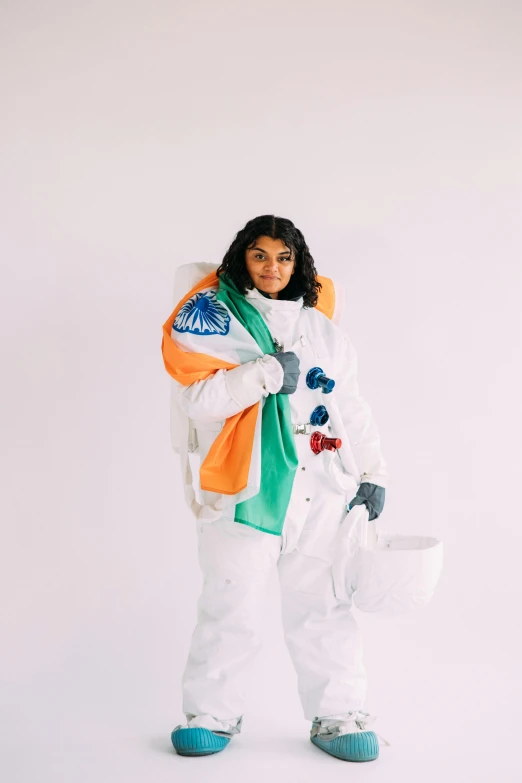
{"x": 203, "y": 735}
{"x": 197, "y": 741}
{"x": 346, "y": 736}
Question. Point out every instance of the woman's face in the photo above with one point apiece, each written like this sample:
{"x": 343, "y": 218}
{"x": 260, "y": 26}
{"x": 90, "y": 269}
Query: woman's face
{"x": 270, "y": 265}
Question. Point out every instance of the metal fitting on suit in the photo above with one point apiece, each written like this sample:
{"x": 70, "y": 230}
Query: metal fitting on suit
{"x": 316, "y": 379}
{"x": 319, "y": 416}
{"x": 302, "y": 429}
{"x": 319, "y": 442}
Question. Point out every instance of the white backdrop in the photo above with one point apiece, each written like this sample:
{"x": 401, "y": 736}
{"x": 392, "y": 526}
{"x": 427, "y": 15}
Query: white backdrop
{"x": 139, "y": 136}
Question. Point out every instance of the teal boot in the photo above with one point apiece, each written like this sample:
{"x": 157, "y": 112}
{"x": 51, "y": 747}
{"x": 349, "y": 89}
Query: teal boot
{"x": 346, "y": 737}
{"x": 197, "y": 741}
{"x": 359, "y": 746}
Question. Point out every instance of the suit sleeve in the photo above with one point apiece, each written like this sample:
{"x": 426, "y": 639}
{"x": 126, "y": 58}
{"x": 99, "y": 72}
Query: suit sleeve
{"x": 358, "y": 419}
{"x": 227, "y": 392}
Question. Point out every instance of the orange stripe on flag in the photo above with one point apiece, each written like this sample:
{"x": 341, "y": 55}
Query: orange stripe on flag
{"x": 233, "y": 447}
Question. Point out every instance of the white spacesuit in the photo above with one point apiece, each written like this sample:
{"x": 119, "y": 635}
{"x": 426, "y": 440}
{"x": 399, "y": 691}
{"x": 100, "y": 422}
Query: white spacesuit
{"x": 237, "y": 559}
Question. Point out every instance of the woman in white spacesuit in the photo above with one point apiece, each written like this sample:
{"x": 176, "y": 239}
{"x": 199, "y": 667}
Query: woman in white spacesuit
{"x": 302, "y": 381}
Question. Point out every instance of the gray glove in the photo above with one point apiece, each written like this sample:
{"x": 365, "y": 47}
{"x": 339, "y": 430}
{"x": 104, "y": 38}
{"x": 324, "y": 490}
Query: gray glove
{"x": 372, "y": 496}
{"x": 290, "y": 364}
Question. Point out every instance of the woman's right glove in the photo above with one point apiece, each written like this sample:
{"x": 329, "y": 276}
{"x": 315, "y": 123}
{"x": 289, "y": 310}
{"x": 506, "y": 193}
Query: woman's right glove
{"x": 290, "y": 364}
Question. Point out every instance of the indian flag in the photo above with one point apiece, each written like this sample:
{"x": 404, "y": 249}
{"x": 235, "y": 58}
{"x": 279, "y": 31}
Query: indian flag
{"x": 253, "y": 459}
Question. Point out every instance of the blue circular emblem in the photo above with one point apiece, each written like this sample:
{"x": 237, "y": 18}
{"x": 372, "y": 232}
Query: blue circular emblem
{"x": 203, "y": 314}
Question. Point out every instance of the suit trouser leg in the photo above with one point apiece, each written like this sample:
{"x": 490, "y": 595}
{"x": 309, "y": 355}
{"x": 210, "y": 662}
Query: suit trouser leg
{"x": 322, "y": 636}
{"x": 236, "y": 561}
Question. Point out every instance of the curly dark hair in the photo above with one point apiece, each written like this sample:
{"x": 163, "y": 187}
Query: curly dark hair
{"x": 302, "y": 283}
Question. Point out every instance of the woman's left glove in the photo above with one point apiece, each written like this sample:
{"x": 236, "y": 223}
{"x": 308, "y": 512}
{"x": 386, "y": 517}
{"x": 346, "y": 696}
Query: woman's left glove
{"x": 372, "y": 496}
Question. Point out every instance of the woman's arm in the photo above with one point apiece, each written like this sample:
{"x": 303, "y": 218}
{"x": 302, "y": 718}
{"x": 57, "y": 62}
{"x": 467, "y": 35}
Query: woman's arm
{"x": 227, "y": 392}
{"x": 358, "y": 419}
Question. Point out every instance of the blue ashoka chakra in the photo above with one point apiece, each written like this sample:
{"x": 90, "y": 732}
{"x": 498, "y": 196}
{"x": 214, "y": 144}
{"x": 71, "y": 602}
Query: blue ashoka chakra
{"x": 203, "y": 314}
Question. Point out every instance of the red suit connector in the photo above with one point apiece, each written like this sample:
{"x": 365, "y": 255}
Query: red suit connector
{"x": 319, "y": 442}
